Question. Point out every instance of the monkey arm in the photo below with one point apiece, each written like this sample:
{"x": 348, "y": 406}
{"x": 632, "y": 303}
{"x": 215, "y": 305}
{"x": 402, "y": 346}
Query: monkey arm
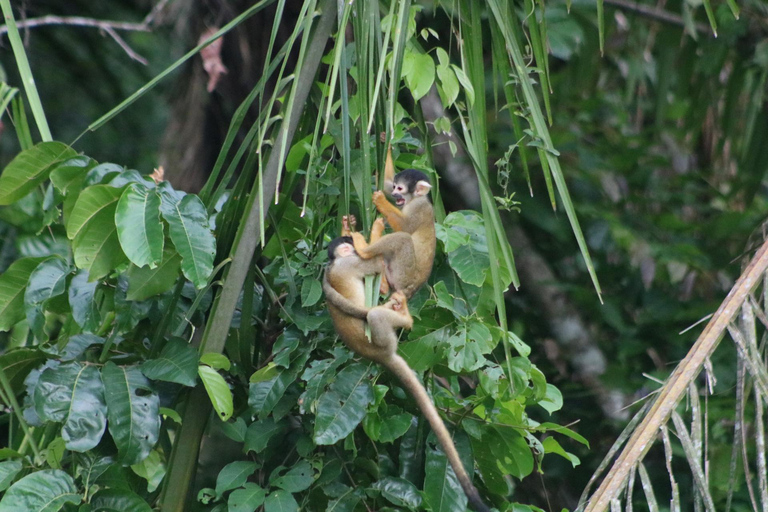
{"x": 393, "y": 215}
{"x": 342, "y": 303}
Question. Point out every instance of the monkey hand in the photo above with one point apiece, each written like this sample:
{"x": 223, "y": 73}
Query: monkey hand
{"x": 360, "y": 244}
{"x": 379, "y": 198}
{"x": 348, "y": 223}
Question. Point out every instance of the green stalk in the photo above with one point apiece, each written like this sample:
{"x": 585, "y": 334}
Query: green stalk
{"x": 25, "y": 71}
{"x": 184, "y": 457}
{"x": 10, "y": 399}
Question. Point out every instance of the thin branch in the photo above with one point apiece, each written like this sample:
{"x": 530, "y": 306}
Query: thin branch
{"x": 655, "y": 13}
{"x": 78, "y": 21}
{"x": 127, "y": 49}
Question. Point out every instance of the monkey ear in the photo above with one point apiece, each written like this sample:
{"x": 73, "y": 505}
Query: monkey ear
{"x": 422, "y": 188}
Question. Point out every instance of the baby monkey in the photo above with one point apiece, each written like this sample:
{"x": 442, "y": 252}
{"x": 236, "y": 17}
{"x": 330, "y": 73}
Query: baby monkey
{"x": 408, "y": 253}
{"x": 345, "y": 294}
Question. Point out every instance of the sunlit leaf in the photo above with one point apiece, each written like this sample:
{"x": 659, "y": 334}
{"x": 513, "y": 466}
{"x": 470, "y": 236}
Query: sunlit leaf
{"x": 138, "y": 225}
{"x": 29, "y": 168}
{"x": 192, "y": 236}
{"x": 218, "y": 391}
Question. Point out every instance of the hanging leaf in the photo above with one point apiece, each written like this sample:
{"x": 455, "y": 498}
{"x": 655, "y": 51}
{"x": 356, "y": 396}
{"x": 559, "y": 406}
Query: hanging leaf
{"x": 13, "y": 283}
{"x": 83, "y": 303}
{"x": 177, "y": 362}
{"x": 73, "y": 394}
{"x": 247, "y": 499}
{"x": 146, "y": 282}
{"x": 260, "y": 432}
{"x": 280, "y": 501}
{"x": 47, "y": 490}
{"x": 343, "y": 406}
{"x": 132, "y": 410}
{"x": 442, "y": 490}
{"x": 30, "y": 168}
{"x": 419, "y": 73}
{"x": 46, "y": 281}
{"x": 118, "y": 500}
{"x": 234, "y": 475}
{"x": 218, "y": 391}
{"x": 91, "y": 227}
{"x": 192, "y": 236}
{"x": 139, "y": 229}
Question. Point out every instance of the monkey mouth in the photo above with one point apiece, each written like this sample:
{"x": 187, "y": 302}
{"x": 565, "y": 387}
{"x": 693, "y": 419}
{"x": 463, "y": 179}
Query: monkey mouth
{"x": 400, "y": 201}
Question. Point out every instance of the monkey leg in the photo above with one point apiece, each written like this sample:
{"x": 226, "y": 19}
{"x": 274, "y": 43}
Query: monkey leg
{"x": 383, "y": 322}
{"x": 376, "y": 233}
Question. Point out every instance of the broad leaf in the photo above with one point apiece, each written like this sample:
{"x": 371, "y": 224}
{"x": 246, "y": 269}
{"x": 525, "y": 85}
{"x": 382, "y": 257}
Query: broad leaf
{"x": 145, "y": 282}
{"x": 151, "y": 469}
{"x": 30, "y": 168}
{"x": 43, "y": 491}
{"x": 18, "y": 363}
{"x": 46, "y": 281}
{"x": 74, "y": 347}
{"x": 247, "y": 499}
{"x": 263, "y": 396}
{"x": 92, "y": 228}
{"x": 13, "y": 283}
{"x": 218, "y": 391}
{"x": 192, "y": 237}
{"x": 280, "y": 501}
{"x": 234, "y": 475}
{"x": 8, "y": 471}
{"x": 70, "y": 173}
{"x": 138, "y": 225}
{"x": 343, "y": 406}
{"x": 132, "y": 409}
{"x": 73, "y": 394}
{"x": 419, "y": 73}
{"x": 118, "y": 500}
{"x": 177, "y": 362}
{"x": 260, "y": 432}
{"x": 442, "y": 490}
{"x": 399, "y": 491}
{"x": 297, "y": 479}
{"x": 82, "y": 295}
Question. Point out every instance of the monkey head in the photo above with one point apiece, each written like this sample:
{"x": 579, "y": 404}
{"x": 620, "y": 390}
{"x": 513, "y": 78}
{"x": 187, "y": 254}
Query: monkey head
{"x": 408, "y": 184}
{"x": 340, "y": 247}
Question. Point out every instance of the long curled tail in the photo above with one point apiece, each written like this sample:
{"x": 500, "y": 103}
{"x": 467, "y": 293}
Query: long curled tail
{"x": 399, "y": 367}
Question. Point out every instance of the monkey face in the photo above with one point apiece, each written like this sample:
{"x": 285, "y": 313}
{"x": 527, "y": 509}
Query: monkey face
{"x": 408, "y": 184}
{"x": 344, "y": 250}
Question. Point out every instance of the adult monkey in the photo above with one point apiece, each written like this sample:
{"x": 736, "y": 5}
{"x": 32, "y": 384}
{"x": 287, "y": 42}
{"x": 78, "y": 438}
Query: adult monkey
{"x": 345, "y": 295}
{"x": 409, "y": 252}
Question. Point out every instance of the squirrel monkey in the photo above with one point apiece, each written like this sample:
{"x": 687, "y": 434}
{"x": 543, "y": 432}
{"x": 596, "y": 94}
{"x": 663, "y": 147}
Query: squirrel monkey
{"x": 345, "y": 295}
{"x": 409, "y": 252}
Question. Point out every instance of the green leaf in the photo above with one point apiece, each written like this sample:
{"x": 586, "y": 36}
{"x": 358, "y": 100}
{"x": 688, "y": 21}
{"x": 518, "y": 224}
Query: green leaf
{"x": 263, "y": 396}
{"x": 280, "y": 501}
{"x": 13, "y": 283}
{"x": 8, "y": 471}
{"x": 151, "y": 469}
{"x": 234, "y": 475}
{"x": 419, "y": 73}
{"x": 139, "y": 229}
{"x": 75, "y": 346}
{"x": 82, "y": 295}
{"x": 16, "y": 364}
{"x": 118, "y": 500}
{"x": 30, "y": 168}
{"x": 218, "y": 391}
{"x": 511, "y": 451}
{"x": 192, "y": 237}
{"x": 145, "y": 282}
{"x": 553, "y": 399}
{"x": 554, "y": 427}
{"x": 74, "y": 395}
{"x": 448, "y": 82}
{"x": 43, "y": 491}
{"x": 297, "y": 479}
{"x": 442, "y": 490}
{"x": 343, "y": 406}
{"x": 469, "y": 90}
{"x": 400, "y": 492}
{"x": 311, "y": 291}
{"x": 177, "y": 362}
{"x": 46, "y": 281}
{"x": 552, "y": 446}
{"x": 92, "y": 228}
{"x": 216, "y": 361}
{"x": 247, "y": 499}
{"x": 70, "y": 173}
{"x": 468, "y": 346}
{"x": 132, "y": 410}
{"x": 260, "y": 432}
